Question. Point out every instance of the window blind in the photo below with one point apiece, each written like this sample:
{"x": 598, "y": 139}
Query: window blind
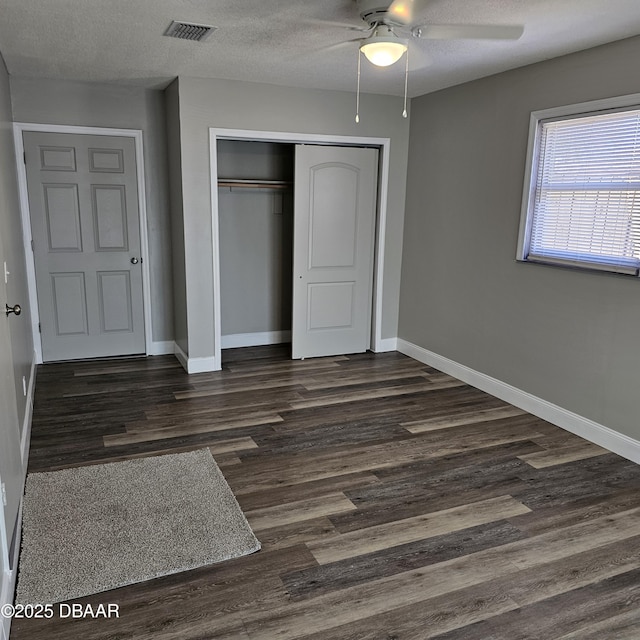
{"x": 586, "y": 204}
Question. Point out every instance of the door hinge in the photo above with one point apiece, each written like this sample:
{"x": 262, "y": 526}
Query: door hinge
{"x": 39, "y": 328}
{"x": 24, "y": 156}
{"x": 4, "y": 494}
{"x": 32, "y": 246}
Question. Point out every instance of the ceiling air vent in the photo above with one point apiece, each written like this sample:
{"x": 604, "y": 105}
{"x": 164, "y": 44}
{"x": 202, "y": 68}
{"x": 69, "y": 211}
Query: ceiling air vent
{"x": 189, "y": 31}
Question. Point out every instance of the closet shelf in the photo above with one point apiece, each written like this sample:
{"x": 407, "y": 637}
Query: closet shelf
{"x": 255, "y": 184}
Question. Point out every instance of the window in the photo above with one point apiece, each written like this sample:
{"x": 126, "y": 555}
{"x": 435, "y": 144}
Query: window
{"x": 581, "y": 203}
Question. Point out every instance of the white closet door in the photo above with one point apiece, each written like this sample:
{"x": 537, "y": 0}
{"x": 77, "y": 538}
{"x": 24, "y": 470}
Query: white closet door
{"x": 334, "y": 221}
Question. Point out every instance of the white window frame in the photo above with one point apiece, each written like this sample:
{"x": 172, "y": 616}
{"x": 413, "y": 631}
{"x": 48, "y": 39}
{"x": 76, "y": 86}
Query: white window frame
{"x": 533, "y": 154}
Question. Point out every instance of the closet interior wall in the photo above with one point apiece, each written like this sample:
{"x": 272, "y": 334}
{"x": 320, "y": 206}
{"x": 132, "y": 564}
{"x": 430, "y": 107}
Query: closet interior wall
{"x": 256, "y": 241}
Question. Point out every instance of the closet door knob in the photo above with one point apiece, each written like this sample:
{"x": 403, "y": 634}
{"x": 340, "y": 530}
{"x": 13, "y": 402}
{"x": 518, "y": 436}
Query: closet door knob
{"x": 134, "y": 260}
{"x": 17, "y": 309}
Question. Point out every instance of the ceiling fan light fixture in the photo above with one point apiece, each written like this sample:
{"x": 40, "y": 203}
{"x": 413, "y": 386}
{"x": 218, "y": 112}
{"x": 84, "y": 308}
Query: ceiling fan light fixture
{"x": 383, "y": 48}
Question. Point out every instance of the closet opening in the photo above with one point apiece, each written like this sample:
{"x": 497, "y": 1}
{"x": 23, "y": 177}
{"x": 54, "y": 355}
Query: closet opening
{"x": 255, "y": 226}
{"x": 281, "y": 273}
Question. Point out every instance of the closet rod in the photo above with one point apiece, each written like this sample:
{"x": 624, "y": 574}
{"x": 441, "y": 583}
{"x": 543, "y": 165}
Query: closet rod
{"x": 255, "y": 184}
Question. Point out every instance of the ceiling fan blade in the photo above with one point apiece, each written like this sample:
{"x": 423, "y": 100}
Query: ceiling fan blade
{"x": 401, "y": 11}
{"x": 342, "y": 25}
{"x": 468, "y": 31}
{"x": 334, "y": 47}
{"x": 341, "y": 45}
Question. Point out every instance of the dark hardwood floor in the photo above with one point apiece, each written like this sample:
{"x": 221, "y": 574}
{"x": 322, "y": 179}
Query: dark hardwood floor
{"x": 392, "y": 501}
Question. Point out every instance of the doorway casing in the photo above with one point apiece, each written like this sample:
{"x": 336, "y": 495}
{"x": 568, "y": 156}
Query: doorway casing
{"x": 382, "y": 144}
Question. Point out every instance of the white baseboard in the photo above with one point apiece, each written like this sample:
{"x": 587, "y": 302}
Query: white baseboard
{"x": 194, "y": 365}
{"x": 8, "y": 589}
{"x": 182, "y": 357}
{"x": 8, "y": 581}
{"x": 588, "y": 429}
{"x": 201, "y": 365}
{"x": 235, "y": 340}
{"x": 28, "y": 414}
{"x": 164, "y": 348}
{"x": 8, "y": 578}
{"x": 387, "y": 344}
{"x": 6, "y": 575}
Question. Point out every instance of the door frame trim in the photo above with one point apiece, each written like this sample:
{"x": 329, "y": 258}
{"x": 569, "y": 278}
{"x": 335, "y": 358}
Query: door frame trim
{"x": 136, "y": 134}
{"x": 382, "y": 144}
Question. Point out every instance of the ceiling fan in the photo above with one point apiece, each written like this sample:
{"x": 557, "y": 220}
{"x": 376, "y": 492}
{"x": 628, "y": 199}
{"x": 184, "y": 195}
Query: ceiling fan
{"x": 388, "y": 22}
{"x": 390, "y": 26}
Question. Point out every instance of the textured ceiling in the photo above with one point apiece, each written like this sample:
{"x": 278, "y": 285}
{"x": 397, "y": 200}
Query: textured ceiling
{"x": 284, "y": 41}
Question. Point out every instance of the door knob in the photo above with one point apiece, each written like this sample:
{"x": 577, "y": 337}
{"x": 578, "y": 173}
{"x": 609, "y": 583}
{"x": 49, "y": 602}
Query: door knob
{"x": 134, "y": 260}
{"x": 17, "y": 309}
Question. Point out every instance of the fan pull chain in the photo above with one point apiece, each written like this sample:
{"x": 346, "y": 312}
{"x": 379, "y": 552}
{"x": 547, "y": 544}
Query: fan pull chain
{"x": 406, "y": 83}
{"x": 358, "y": 91}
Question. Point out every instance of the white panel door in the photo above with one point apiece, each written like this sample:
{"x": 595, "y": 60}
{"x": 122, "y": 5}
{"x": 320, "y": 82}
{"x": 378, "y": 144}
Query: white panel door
{"x": 11, "y": 473}
{"x": 83, "y": 202}
{"x": 334, "y": 221}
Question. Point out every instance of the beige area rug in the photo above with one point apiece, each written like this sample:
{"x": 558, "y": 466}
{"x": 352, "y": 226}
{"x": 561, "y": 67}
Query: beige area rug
{"x": 95, "y": 528}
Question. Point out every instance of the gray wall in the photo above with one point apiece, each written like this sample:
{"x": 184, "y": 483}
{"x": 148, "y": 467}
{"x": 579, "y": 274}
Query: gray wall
{"x": 569, "y": 337}
{"x": 256, "y": 238}
{"x": 247, "y": 160}
{"x": 11, "y": 235}
{"x": 105, "y": 105}
{"x": 241, "y": 105}
{"x": 174, "y": 152}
